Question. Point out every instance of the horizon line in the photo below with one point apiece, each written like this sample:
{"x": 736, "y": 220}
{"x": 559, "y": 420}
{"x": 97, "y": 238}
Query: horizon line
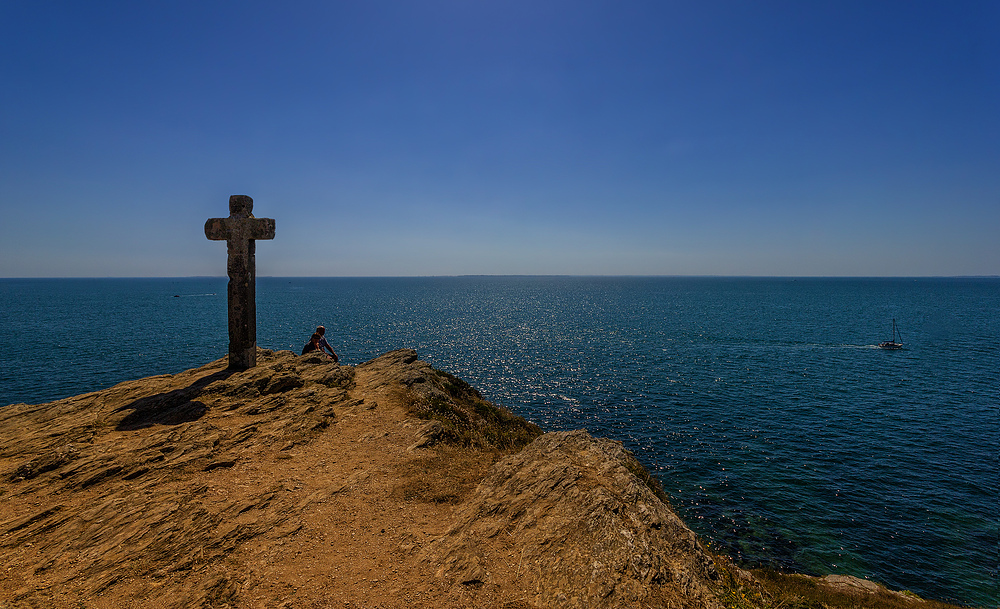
{"x": 518, "y": 275}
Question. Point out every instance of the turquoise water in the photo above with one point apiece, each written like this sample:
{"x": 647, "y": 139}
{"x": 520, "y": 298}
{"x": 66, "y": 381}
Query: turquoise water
{"x": 781, "y": 434}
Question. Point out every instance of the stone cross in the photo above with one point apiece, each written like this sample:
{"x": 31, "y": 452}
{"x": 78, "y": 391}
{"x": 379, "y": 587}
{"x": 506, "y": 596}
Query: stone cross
{"x": 240, "y": 232}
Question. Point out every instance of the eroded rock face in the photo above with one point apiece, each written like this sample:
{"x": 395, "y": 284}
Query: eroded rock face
{"x": 119, "y": 477}
{"x": 286, "y": 485}
{"x": 588, "y": 531}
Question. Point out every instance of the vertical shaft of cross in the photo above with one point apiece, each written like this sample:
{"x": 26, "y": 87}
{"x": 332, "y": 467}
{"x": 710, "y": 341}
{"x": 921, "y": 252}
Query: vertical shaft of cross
{"x": 241, "y": 231}
{"x": 242, "y": 292}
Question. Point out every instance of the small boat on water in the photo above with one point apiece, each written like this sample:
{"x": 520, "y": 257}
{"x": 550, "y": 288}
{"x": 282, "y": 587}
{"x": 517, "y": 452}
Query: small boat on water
{"x": 892, "y": 344}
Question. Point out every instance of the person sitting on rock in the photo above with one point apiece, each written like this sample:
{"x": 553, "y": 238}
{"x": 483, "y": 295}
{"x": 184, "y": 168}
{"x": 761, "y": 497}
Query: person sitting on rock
{"x": 313, "y": 345}
{"x": 325, "y": 345}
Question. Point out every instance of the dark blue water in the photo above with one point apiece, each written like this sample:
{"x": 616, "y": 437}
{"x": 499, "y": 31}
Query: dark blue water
{"x": 781, "y": 434}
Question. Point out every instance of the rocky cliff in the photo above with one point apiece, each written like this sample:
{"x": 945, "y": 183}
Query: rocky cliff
{"x": 302, "y": 483}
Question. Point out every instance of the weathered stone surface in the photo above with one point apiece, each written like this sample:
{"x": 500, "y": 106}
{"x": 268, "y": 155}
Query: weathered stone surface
{"x": 126, "y": 477}
{"x": 241, "y": 231}
{"x": 428, "y": 435}
{"x": 587, "y": 531}
{"x": 212, "y": 488}
{"x": 304, "y": 483}
{"x": 865, "y": 587}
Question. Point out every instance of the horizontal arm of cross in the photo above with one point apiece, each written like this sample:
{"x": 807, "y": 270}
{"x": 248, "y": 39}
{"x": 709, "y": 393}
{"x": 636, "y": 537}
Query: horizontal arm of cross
{"x": 234, "y": 228}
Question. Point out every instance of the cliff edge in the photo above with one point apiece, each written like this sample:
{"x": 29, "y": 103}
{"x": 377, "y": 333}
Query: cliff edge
{"x": 302, "y": 483}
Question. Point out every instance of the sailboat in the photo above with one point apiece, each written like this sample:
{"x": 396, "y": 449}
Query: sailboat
{"x": 892, "y": 344}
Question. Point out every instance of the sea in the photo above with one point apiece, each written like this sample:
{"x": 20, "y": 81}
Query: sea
{"x": 782, "y": 435}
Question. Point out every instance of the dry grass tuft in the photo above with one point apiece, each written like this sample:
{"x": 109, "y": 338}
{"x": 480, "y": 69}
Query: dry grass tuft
{"x": 448, "y": 475}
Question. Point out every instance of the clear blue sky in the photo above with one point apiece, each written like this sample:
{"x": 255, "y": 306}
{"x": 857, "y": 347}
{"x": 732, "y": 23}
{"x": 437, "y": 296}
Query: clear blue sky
{"x": 484, "y": 137}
